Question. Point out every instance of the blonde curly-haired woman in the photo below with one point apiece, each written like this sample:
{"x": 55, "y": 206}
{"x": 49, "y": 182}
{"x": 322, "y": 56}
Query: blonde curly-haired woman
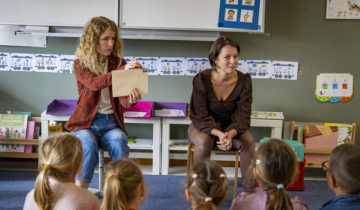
{"x": 98, "y": 118}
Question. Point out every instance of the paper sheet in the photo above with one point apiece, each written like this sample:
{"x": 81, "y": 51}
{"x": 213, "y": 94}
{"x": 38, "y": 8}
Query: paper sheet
{"x": 169, "y": 113}
{"x": 134, "y": 114}
{"x": 124, "y": 81}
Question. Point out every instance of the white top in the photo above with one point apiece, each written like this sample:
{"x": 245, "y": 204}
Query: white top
{"x": 66, "y": 196}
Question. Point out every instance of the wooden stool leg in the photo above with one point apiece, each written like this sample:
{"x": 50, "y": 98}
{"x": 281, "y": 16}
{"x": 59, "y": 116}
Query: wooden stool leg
{"x": 189, "y": 159}
{"x": 236, "y": 173}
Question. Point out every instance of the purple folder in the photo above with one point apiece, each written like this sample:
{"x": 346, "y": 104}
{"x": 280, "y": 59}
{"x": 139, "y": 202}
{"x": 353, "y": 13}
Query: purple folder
{"x": 169, "y": 105}
{"x": 61, "y": 107}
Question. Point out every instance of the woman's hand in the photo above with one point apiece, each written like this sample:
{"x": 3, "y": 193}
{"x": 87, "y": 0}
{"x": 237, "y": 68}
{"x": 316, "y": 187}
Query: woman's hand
{"x": 225, "y": 142}
{"x": 134, "y": 96}
{"x": 133, "y": 65}
{"x": 225, "y": 145}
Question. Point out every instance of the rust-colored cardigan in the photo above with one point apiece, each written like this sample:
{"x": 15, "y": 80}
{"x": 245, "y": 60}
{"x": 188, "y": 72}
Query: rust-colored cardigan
{"x": 89, "y": 88}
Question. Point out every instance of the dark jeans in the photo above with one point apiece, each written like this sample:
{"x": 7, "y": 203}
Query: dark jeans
{"x": 245, "y": 144}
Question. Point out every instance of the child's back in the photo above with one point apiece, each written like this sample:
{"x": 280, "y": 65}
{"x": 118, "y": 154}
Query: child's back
{"x": 60, "y": 158}
{"x": 343, "y": 175}
{"x": 276, "y": 167}
{"x": 66, "y": 195}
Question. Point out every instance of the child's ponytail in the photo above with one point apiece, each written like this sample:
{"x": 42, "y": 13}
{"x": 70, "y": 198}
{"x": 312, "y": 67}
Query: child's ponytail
{"x": 42, "y": 191}
{"x": 115, "y": 198}
{"x": 278, "y": 199}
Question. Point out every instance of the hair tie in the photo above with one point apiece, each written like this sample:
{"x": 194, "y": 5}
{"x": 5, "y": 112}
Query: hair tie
{"x": 208, "y": 199}
{"x": 279, "y": 186}
{"x": 46, "y": 166}
{"x": 194, "y": 176}
{"x": 222, "y": 175}
{"x": 258, "y": 161}
{"x": 115, "y": 175}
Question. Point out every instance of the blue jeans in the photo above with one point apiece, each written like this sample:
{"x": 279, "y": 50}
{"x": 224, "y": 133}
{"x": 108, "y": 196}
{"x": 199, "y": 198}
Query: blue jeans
{"x": 106, "y": 133}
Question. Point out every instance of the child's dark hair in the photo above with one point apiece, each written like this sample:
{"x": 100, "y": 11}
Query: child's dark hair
{"x": 276, "y": 166}
{"x": 60, "y": 156}
{"x": 345, "y": 167}
{"x": 122, "y": 179}
{"x": 207, "y": 184}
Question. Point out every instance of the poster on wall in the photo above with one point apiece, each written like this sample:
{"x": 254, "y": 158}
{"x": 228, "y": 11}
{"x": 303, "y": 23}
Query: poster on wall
{"x": 240, "y": 14}
{"x": 334, "y": 87}
{"x": 343, "y": 9}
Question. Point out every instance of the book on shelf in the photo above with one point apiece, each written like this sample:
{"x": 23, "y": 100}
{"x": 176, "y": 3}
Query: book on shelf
{"x": 30, "y": 131}
{"x": 20, "y": 112}
{"x": 267, "y": 115}
{"x": 13, "y": 126}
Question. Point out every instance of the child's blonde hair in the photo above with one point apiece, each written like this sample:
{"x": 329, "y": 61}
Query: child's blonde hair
{"x": 122, "y": 179}
{"x": 60, "y": 157}
{"x": 345, "y": 167}
{"x": 276, "y": 166}
{"x": 207, "y": 184}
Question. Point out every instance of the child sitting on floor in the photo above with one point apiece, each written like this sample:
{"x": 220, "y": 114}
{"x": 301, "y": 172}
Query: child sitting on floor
{"x": 276, "y": 167}
{"x": 343, "y": 175}
{"x": 60, "y": 158}
{"x": 124, "y": 186}
{"x": 206, "y": 186}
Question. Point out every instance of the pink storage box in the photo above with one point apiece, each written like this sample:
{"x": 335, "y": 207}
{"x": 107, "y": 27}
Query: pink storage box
{"x": 142, "y": 109}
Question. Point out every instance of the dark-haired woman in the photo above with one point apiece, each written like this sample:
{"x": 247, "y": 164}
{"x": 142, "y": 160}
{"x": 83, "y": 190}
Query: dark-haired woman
{"x": 220, "y": 109}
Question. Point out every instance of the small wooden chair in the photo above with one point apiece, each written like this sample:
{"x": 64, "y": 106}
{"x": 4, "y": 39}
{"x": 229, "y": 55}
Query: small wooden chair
{"x": 190, "y": 153}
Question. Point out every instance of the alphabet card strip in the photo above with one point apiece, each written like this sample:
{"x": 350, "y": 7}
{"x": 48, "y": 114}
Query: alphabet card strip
{"x": 284, "y": 70}
{"x": 5, "y": 61}
{"x": 172, "y": 66}
{"x": 66, "y": 64}
{"x": 150, "y": 64}
{"x": 196, "y": 65}
{"x": 259, "y": 69}
{"x": 46, "y": 63}
{"x": 22, "y": 62}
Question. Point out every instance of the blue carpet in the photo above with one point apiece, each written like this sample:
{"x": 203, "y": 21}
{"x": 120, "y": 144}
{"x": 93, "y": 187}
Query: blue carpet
{"x": 162, "y": 191}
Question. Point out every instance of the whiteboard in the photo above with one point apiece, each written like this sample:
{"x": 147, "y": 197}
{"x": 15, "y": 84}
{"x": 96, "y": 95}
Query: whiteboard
{"x": 56, "y": 12}
{"x": 175, "y": 15}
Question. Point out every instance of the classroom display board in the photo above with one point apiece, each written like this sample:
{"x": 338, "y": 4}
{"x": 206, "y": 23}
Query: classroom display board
{"x": 56, "y": 12}
{"x": 202, "y": 15}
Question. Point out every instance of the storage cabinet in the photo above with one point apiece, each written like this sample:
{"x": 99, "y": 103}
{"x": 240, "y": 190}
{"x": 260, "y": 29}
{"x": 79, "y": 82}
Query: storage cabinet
{"x": 178, "y": 151}
{"x": 143, "y": 148}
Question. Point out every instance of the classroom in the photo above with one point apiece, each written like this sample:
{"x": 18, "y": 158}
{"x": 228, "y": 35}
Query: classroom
{"x": 291, "y": 31}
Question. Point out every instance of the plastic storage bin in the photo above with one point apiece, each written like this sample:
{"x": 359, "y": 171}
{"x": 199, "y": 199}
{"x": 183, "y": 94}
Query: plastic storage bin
{"x": 169, "y": 110}
{"x": 142, "y": 109}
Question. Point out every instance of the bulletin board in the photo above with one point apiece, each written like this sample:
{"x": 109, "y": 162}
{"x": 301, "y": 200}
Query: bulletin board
{"x": 202, "y": 15}
{"x": 56, "y": 12}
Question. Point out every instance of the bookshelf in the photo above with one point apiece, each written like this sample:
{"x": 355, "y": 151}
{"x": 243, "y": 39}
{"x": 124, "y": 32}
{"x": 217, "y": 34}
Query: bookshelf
{"x": 21, "y": 141}
{"x": 315, "y": 154}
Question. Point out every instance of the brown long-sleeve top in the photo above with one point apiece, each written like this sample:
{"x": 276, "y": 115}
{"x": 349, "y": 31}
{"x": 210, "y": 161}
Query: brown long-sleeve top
{"x": 207, "y": 112}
